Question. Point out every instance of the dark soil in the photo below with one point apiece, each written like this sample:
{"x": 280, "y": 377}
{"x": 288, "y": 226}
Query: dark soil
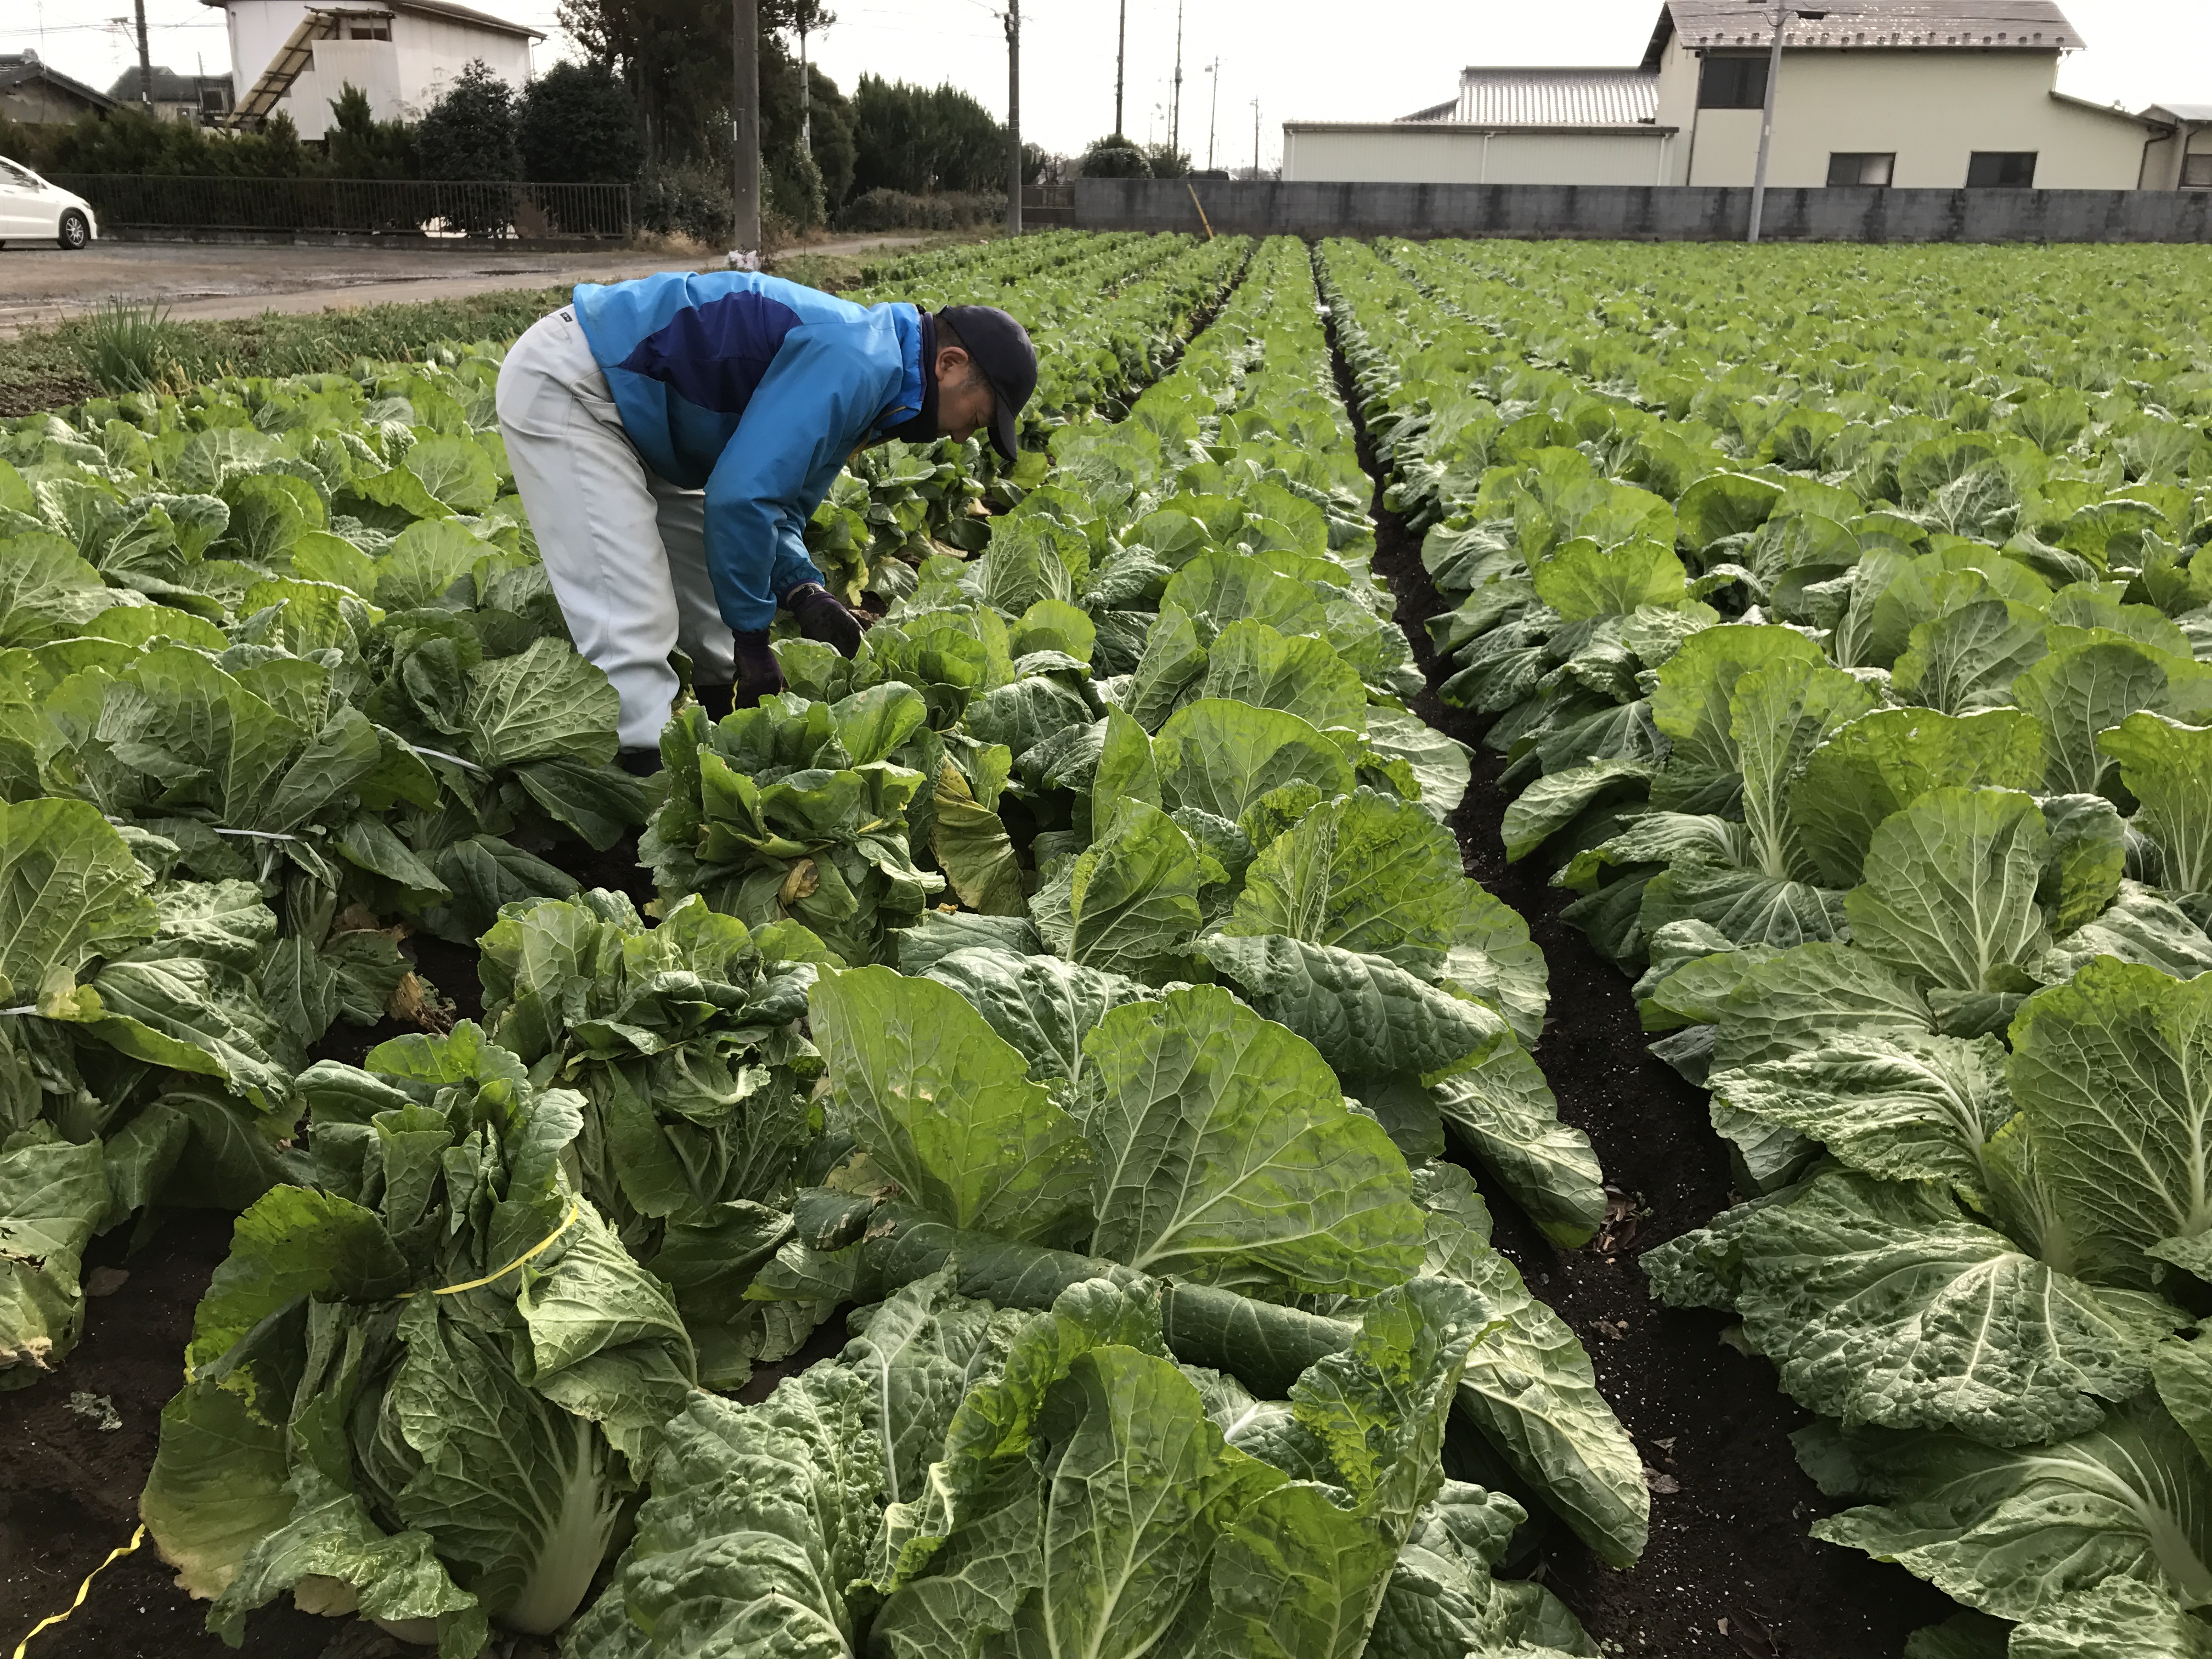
{"x": 70, "y": 1493}
{"x": 38, "y": 394}
{"x": 1730, "y": 1568}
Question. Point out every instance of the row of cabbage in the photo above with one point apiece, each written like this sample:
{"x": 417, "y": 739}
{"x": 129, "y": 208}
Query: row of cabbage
{"x": 281, "y": 679}
{"x": 1873, "y": 740}
{"x": 1006, "y": 264}
{"x": 1098, "y": 877}
{"x": 1095, "y": 304}
{"x": 283, "y": 682}
{"x": 1162, "y": 719}
{"x": 290, "y": 640}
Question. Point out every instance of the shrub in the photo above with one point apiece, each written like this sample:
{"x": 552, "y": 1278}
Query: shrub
{"x": 32, "y": 145}
{"x": 686, "y": 199}
{"x": 1113, "y": 157}
{"x": 1166, "y": 161}
{"x": 894, "y": 209}
{"x": 127, "y": 140}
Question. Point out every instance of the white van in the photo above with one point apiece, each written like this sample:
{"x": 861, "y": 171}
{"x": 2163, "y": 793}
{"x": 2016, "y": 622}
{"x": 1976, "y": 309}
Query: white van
{"x": 32, "y": 210}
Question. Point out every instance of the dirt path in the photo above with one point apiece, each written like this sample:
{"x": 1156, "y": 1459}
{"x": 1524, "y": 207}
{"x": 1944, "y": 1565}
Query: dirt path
{"x": 41, "y": 286}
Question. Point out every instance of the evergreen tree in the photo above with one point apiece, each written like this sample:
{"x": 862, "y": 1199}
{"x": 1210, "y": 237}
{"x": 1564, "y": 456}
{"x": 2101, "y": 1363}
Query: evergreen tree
{"x": 578, "y": 126}
{"x": 921, "y": 140}
{"x": 359, "y": 146}
{"x": 469, "y": 133}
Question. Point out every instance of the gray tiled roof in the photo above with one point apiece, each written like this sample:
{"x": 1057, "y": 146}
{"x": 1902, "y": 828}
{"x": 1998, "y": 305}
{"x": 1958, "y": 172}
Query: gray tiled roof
{"x": 468, "y": 15}
{"x": 1546, "y": 97}
{"x": 170, "y": 86}
{"x": 18, "y": 67}
{"x": 2011, "y": 25}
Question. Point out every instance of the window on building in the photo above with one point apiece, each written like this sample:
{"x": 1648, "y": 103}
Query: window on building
{"x": 1732, "y": 84}
{"x": 369, "y": 31}
{"x": 2001, "y": 169}
{"x": 2196, "y": 172}
{"x": 1860, "y": 167}
{"x": 212, "y": 101}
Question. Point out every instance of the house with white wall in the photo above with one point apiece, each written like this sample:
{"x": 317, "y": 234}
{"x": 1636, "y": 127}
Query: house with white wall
{"x": 1939, "y": 94}
{"x": 403, "y": 54}
{"x": 2181, "y": 159}
{"x": 1508, "y": 126}
{"x": 1960, "y": 92}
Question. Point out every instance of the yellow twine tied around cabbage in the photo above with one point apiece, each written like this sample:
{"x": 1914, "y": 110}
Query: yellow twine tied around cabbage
{"x": 541, "y": 1246}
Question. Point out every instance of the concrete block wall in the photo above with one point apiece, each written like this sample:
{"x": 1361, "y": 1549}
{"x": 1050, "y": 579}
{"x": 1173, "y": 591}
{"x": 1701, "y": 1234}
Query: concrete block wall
{"x": 1643, "y": 212}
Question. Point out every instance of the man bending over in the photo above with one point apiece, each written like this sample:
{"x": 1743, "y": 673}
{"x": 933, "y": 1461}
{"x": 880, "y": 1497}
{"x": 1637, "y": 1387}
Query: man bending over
{"x": 670, "y": 437}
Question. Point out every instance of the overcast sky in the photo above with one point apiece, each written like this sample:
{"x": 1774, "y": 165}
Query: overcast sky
{"x": 1301, "y": 58}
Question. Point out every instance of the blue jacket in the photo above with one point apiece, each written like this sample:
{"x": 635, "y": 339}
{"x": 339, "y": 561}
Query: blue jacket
{"x": 757, "y": 390}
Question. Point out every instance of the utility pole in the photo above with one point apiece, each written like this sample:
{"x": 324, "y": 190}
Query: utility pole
{"x": 1174, "y": 112}
{"x": 1121, "y": 63}
{"x": 145, "y": 64}
{"x": 1014, "y": 167}
{"x": 806, "y": 90}
{"x": 1256, "y": 139}
{"x": 1213, "y": 69}
{"x": 744, "y": 133}
{"x": 1782, "y": 14}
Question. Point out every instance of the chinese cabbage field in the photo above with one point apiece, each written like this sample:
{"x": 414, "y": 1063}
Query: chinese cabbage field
{"x": 1034, "y": 1142}
{"x": 1837, "y": 638}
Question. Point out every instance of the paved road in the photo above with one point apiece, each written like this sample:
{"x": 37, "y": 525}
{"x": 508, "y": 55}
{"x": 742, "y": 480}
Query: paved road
{"x": 43, "y": 285}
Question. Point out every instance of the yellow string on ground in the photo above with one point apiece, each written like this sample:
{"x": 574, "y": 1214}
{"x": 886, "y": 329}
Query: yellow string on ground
{"x": 138, "y": 1537}
{"x": 83, "y": 1589}
{"x": 545, "y": 1243}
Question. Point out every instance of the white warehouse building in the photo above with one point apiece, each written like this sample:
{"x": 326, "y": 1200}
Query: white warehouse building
{"x": 289, "y": 55}
{"x": 1913, "y": 92}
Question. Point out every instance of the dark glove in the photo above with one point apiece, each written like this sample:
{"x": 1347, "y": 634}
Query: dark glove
{"x": 822, "y": 615}
{"x": 759, "y": 674}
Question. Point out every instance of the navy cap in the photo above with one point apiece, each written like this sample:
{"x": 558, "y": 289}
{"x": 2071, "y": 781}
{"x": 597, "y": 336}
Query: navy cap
{"x": 1001, "y": 347}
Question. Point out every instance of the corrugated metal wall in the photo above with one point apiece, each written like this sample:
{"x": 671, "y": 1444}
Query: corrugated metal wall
{"x": 1420, "y": 154}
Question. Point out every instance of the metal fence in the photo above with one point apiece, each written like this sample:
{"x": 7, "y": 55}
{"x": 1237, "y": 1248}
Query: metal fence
{"x": 383, "y": 207}
{"x": 1048, "y": 207}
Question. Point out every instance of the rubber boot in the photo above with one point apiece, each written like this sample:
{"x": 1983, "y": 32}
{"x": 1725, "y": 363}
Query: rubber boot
{"x": 821, "y": 615}
{"x": 759, "y": 674}
{"x": 639, "y": 763}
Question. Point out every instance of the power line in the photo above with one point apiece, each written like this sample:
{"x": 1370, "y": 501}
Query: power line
{"x": 109, "y": 27}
